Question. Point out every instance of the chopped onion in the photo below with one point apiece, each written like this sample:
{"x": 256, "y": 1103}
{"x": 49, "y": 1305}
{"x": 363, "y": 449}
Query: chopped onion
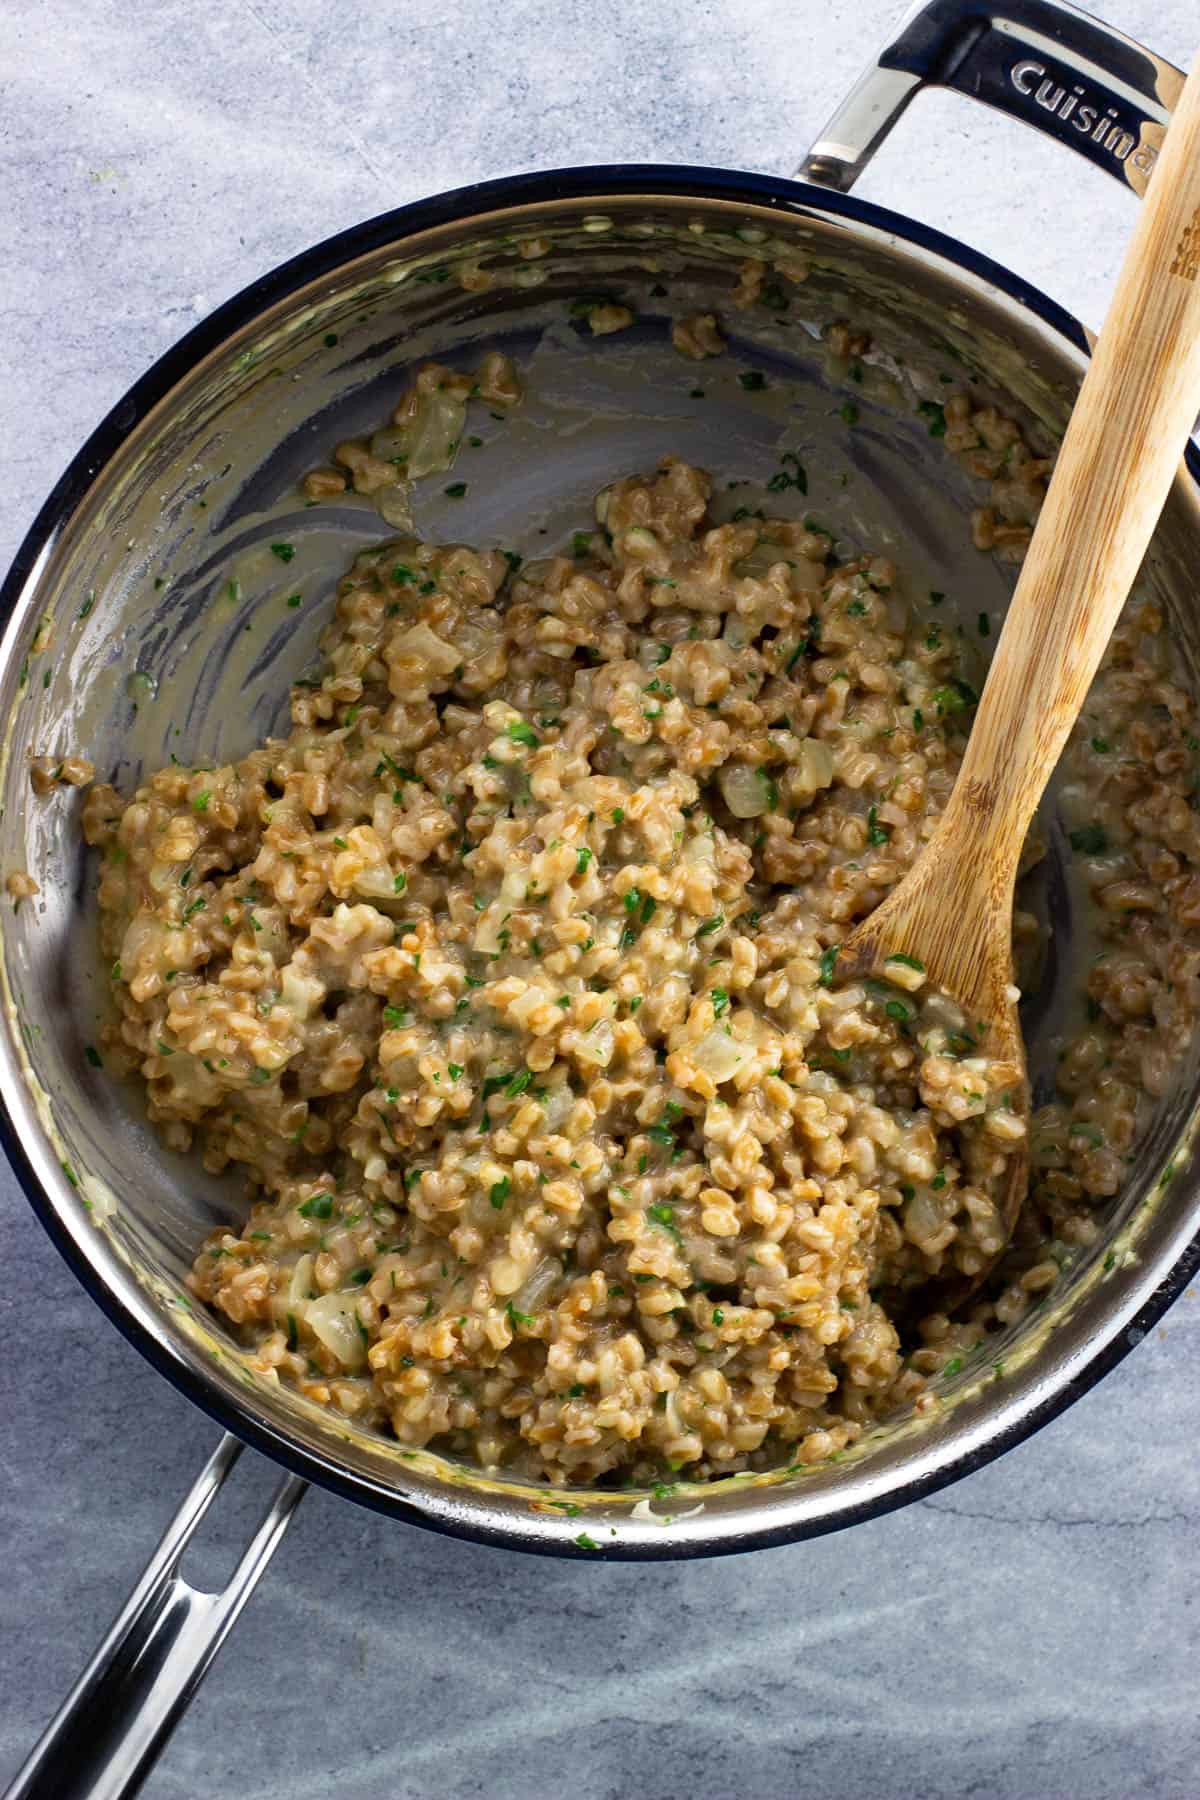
{"x": 493, "y": 919}
{"x": 474, "y": 640}
{"x": 814, "y": 765}
{"x": 558, "y": 1106}
{"x": 746, "y": 791}
{"x": 375, "y": 882}
{"x": 530, "y": 1296}
{"x": 927, "y": 1221}
{"x": 392, "y": 505}
{"x": 719, "y": 1054}
{"x": 300, "y": 1286}
{"x": 334, "y": 1320}
{"x": 596, "y": 1045}
{"x": 145, "y": 936}
{"x": 700, "y": 849}
{"x": 302, "y": 993}
{"x": 437, "y": 431}
{"x": 764, "y": 557}
{"x": 419, "y": 641}
{"x": 487, "y": 932}
{"x": 271, "y": 936}
{"x": 428, "y": 438}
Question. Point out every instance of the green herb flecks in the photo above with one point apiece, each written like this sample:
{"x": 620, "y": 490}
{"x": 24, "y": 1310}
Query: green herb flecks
{"x": 827, "y": 965}
{"x": 317, "y": 1206}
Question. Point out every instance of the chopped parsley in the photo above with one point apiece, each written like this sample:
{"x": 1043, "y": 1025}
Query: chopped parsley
{"x": 957, "y": 696}
{"x": 791, "y": 474}
{"x": 318, "y": 1206}
{"x": 664, "y": 1217}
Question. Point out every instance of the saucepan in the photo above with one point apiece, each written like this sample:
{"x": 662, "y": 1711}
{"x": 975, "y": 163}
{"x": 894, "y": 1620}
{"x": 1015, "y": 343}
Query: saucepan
{"x": 124, "y": 640}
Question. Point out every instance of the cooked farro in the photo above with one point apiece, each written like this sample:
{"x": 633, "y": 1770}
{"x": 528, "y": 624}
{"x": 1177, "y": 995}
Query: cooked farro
{"x": 506, "y": 978}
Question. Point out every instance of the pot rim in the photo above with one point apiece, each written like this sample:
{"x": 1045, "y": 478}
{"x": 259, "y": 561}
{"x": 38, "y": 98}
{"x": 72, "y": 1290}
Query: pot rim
{"x": 594, "y": 183}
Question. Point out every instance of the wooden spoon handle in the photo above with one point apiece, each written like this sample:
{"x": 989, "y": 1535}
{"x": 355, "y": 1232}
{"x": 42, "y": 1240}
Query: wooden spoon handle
{"x": 1138, "y": 402}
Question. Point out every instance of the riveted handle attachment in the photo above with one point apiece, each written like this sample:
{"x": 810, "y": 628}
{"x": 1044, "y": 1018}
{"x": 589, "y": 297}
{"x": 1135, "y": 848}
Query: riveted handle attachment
{"x": 1042, "y": 61}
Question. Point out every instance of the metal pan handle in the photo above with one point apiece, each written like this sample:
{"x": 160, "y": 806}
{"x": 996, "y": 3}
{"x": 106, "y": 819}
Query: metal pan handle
{"x": 1043, "y": 61}
{"x": 107, "y": 1735}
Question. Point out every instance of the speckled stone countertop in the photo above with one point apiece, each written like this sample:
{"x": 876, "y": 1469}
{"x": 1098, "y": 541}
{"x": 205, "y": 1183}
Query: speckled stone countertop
{"x": 1030, "y": 1634}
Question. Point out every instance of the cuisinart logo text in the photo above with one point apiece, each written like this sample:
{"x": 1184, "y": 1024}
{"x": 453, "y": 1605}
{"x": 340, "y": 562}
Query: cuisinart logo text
{"x": 1089, "y": 119}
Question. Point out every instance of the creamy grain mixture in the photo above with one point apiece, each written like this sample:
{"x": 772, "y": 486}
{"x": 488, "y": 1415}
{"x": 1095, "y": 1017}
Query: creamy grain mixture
{"x": 506, "y": 977}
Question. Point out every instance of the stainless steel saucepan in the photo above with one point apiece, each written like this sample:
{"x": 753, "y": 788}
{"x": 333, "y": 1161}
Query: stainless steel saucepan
{"x": 123, "y": 639}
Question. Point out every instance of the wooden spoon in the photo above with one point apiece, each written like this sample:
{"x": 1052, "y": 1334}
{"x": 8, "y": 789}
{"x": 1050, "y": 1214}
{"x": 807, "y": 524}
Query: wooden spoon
{"x": 952, "y": 912}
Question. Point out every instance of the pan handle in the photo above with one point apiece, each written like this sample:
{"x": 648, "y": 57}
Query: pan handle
{"x": 107, "y": 1735}
{"x": 1043, "y": 61}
